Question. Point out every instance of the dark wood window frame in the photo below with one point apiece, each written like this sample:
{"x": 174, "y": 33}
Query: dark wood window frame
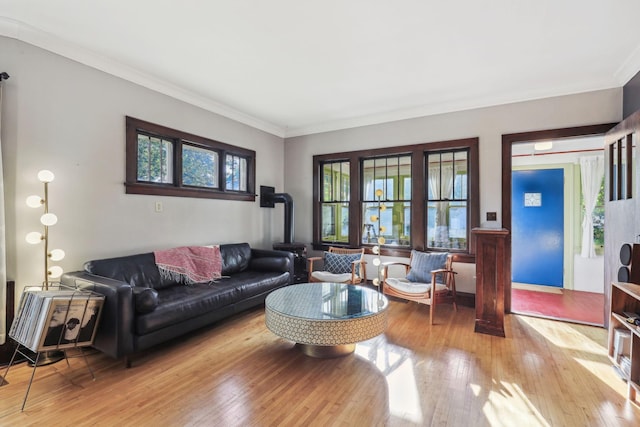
{"x": 418, "y": 192}
{"x": 176, "y": 188}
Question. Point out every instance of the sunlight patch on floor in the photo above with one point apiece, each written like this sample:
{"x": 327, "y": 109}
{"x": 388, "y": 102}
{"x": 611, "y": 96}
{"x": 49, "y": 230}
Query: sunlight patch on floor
{"x": 404, "y": 400}
{"x": 509, "y": 399}
{"x": 397, "y": 366}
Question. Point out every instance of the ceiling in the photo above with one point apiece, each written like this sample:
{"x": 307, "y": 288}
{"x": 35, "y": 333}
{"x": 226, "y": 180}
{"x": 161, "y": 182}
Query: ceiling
{"x": 292, "y": 67}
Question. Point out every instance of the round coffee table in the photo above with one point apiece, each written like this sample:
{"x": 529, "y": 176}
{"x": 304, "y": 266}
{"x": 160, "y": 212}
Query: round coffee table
{"x": 326, "y": 319}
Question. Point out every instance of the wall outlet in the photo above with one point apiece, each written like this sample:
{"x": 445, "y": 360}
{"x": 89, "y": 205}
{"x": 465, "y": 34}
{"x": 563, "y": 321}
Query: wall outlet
{"x": 159, "y": 207}
{"x": 492, "y": 216}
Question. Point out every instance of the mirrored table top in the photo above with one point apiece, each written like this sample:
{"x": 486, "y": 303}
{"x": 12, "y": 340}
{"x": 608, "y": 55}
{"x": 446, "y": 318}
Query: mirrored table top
{"x": 326, "y": 301}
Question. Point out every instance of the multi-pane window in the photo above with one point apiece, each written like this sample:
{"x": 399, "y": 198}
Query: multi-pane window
{"x": 334, "y": 210}
{"x": 621, "y": 168}
{"x": 386, "y": 200}
{"x": 163, "y": 161}
{"x": 447, "y": 199}
{"x": 422, "y": 196}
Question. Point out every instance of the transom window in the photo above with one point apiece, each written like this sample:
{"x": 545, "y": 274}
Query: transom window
{"x": 423, "y": 196}
{"x": 164, "y": 161}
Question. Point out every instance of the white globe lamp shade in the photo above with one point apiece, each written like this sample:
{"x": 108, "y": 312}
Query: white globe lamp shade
{"x": 55, "y": 271}
{"x": 376, "y": 261}
{"x": 46, "y": 176}
{"x": 376, "y": 281}
{"x": 49, "y": 219}
{"x": 375, "y": 249}
{"x": 57, "y": 255}
{"x": 34, "y": 201}
{"x": 34, "y": 237}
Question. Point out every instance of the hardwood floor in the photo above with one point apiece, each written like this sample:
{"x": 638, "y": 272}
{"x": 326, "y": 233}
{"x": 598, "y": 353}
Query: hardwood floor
{"x": 544, "y": 373}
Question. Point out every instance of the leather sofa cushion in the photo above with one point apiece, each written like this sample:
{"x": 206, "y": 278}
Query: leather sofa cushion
{"x": 136, "y": 270}
{"x": 280, "y": 264}
{"x": 235, "y": 258}
{"x": 179, "y": 303}
{"x": 145, "y": 299}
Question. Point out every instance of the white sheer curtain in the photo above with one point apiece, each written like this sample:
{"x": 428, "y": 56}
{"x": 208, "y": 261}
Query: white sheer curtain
{"x": 3, "y": 249}
{"x": 591, "y": 173}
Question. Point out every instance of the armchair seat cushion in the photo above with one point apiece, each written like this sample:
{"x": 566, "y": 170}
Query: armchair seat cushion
{"x": 325, "y": 276}
{"x": 407, "y": 287}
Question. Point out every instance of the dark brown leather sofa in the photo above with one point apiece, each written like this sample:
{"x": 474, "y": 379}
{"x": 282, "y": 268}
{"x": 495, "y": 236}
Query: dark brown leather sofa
{"x": 142, "y": 309}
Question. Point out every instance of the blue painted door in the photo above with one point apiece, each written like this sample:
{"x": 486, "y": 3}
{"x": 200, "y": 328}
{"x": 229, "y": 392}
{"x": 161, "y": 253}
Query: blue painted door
{"x": 537, "y": 208}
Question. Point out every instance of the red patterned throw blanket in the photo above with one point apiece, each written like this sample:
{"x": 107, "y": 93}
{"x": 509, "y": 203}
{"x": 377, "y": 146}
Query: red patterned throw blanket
{"x": 191, "y": 264}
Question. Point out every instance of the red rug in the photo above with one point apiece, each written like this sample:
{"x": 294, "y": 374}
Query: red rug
{"x": 571, "y": 306}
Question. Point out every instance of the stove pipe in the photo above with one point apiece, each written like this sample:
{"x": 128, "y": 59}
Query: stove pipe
{"x": 268, "y": 199}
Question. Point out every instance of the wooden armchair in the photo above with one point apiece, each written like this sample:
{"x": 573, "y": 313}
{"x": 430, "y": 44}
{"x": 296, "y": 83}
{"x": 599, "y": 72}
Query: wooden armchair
{"x": 340, "y": 266}
{"x": 429, "y": 280}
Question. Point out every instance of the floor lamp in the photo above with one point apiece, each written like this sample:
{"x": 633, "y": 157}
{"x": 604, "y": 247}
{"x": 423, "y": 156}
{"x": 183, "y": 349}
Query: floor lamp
{"x": 47, "y": 220}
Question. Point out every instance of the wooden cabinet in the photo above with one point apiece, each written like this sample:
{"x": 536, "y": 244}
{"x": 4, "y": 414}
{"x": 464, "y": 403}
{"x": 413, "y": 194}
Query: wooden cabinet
{"x": 625, "y": 297}
{"x": 491, "y": 278}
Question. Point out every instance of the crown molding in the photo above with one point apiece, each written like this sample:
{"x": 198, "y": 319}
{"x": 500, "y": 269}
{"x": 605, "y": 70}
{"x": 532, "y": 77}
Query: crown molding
{"x": 20, "y": 31}
{"x": 629, "y": 68}
{"x": 445, "y": 107}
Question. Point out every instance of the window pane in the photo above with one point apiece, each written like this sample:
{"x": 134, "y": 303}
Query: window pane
{"x": 336, "y": 184}
{"x": 623, "y": 167}
{"x": 447, "y": 225}
{"x": 389, "y": 220}
{"x": 335, "y": 222}
{"x": 236, "y": 173}
{"x": 199, "y": 167}
{"x": 433, "y": 176}
{"x": 460, "y": 182}
{"x": 155, "y": 160}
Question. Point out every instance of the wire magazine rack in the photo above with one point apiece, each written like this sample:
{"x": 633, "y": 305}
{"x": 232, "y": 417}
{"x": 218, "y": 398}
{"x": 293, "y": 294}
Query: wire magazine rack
{"x": 54, "y": 319}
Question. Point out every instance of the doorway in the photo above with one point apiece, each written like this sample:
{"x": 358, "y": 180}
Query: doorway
{"x": 566, "y": 297}
{"x": 537, "y": 220}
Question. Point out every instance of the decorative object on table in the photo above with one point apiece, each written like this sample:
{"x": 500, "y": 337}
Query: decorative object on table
{"x": 430, "y": 280}
{"x": 341, "y": 265}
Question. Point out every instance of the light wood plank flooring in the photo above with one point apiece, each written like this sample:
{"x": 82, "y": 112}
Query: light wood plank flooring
{"x": 544, "y": 373}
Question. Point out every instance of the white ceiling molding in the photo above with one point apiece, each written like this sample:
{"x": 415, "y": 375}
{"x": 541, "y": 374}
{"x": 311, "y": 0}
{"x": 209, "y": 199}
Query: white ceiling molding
{"x": 629, "y": 68}
{"x": 28, "y": 34}
{"x": 450, "y": 107}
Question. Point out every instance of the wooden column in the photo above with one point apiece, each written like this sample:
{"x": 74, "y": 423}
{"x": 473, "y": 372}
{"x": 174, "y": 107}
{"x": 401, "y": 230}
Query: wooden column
{"x": 491, "y": 279}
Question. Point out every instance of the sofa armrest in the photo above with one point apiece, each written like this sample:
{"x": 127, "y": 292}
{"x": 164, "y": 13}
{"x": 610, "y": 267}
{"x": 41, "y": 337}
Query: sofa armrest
{"x": 115, "y": 331}
{"x": 271, "y": 260}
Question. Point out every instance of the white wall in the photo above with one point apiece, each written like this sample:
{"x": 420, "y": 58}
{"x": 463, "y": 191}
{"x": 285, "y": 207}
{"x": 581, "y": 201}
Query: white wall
{"x": 70, "y": 118}
{"x": 489, "y": 124}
